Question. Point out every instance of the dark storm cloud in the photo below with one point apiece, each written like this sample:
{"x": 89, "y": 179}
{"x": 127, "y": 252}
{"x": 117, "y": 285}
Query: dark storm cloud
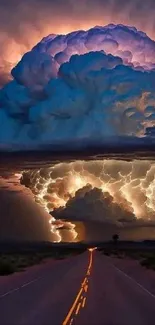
{"x": 21, "y": 218}
{"x": 93, "y": 205}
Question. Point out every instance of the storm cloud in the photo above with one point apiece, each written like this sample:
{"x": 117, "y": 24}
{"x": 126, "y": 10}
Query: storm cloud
{"x": 106, "y": 78}
{"x": 109, "y": 192}
{"x": 94, "y": 205}
{"x": 24, "y": 23}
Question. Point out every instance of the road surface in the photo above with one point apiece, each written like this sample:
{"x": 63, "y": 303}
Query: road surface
{"x": 86, "y": 289}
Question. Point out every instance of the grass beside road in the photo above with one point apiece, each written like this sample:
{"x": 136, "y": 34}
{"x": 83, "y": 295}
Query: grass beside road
{"x": 145, "y": 258}
{"x": 148, "y": 261}
{"x": 11, "y": 262}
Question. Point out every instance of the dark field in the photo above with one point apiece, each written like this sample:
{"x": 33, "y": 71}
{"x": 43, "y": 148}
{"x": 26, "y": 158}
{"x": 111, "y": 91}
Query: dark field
{"x": 16, "y": 256}
{"x": 144, "y": 252}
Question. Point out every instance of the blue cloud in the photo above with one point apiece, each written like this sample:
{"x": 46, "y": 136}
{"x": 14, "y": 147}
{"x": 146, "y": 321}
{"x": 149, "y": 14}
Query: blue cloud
{"x": 70, "y": 88}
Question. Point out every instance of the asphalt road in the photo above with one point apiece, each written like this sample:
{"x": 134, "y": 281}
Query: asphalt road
{"x": 86, "y": 289}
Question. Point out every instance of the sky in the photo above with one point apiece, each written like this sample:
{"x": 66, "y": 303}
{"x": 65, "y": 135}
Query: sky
{"x": 106, "y": 79}
{"x": 80, "y": 200}
{"x": 21, "y": 218}
{"x": 39, "y": 18}
{"x": 105, "y": 76}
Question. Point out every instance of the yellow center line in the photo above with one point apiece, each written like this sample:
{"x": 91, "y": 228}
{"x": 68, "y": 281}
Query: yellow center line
{"x": 86, "y": 288}
{"x": 84, "y": 281}
{"x": 71, "y": 322}
{"x": 83, "y": 287}
{"x": 84, "y": 301}
{"x": 78, "y": 308}
{"x": 72, "y": 308}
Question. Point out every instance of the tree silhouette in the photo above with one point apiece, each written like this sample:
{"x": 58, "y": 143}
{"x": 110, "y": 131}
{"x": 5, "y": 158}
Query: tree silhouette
{"x": 115, "y": 238}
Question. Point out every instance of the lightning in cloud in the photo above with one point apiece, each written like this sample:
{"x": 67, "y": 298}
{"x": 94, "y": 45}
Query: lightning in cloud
{"x": 131, "y": 186}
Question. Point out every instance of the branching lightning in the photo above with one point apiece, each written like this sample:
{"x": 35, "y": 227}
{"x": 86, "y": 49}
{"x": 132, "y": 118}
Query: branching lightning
{"x": 131, "y": 185}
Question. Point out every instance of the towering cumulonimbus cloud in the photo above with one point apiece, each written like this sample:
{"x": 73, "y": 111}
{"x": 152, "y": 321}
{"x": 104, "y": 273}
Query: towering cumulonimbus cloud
{"x": 133, "y": 46}
{"x": 106, "y": 191}
{"x": 83, "y": 87}
{"x": 28, "y": 21}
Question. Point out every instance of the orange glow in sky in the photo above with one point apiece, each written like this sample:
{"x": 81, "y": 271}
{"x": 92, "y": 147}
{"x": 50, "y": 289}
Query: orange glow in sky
{"x": 12, "y": 50}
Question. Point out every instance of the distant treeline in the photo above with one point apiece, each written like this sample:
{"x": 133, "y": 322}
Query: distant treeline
{"x": 19, "y": 247}
{"x": 30, "y": 246}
